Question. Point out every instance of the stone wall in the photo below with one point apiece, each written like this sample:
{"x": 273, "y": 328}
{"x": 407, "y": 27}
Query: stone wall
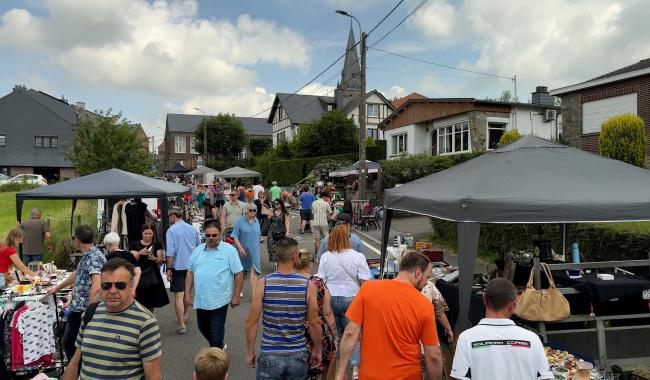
{"x": 478, "y": 128}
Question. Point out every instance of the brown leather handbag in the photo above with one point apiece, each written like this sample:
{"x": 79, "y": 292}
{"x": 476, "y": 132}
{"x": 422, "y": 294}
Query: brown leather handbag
{"x": 544, "y": 305}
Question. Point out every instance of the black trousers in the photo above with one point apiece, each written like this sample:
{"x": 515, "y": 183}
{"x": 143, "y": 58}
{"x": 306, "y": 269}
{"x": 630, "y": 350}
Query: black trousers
{"x": 212, "y": 324}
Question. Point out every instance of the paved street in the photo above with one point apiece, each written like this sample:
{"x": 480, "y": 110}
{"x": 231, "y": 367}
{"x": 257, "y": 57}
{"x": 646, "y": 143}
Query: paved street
{"x": 179, "y": 350}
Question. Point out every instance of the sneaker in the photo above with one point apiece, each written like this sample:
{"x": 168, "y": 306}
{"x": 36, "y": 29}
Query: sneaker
{"x": 241, "y": 294}
{"x": 181, "y": 330}
{"x": 225, "y": 346}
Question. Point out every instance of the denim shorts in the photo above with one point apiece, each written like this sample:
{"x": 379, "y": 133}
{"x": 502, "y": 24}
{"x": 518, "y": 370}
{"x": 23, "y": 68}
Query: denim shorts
{"x": 289, "y": 367}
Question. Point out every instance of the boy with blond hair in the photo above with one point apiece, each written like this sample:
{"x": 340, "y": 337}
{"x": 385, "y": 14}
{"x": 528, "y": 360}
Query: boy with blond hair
{"x": 211, "y": 364}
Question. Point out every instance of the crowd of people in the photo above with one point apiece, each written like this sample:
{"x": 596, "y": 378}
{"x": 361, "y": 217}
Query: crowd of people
{"x": 313, "y": 318}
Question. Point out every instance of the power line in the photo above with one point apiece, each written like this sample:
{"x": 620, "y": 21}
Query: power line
{"x": 336, "y": 61}
{"x": 423, "y": 74}
{"x": 417, "y": 8}
{"x": 440, "y": 64}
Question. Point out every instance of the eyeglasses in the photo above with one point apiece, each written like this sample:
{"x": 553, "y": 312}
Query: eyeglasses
{"x": 211, "y": 235}
{"x": 119, "y": 285}
{"x": 233, "y": 195}
{"x": 253, "y": 210}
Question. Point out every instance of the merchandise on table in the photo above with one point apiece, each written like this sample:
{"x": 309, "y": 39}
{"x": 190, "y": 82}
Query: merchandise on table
{"x": 566, "y": 366}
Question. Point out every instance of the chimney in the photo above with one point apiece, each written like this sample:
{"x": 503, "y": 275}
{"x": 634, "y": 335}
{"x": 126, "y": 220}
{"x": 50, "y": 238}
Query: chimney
{"x": 19, "y": 88}
{"x": 81, "y": 105}
{"x": 541, "y": 97}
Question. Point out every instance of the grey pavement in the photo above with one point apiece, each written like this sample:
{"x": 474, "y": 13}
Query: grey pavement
{"x": 179, "y": 350}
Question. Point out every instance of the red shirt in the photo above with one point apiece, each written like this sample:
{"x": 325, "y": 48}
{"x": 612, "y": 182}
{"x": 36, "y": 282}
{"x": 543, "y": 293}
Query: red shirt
{"x": 5, "y": 258}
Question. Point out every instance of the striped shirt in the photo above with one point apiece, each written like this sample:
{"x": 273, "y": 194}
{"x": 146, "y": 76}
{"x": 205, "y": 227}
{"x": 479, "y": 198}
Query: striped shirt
{"x": 114, "y": 345}
{"x": 284, "y": 312}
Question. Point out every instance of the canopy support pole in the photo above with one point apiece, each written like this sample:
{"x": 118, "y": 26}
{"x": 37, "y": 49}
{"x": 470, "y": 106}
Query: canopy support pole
{"x": 468, "y": 235}
{"x": 164, "y": 217}
{"x": 385, "y": 232}
{"x": 19, "y": 209}
{"x": 74, "y": 206}
{"x": 564, "y": 231}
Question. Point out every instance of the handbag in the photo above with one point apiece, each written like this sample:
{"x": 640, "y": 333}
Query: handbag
{"x": 264, "y": 228}
{"x": 544, "y": 305}
{"x": 148, "y": 277}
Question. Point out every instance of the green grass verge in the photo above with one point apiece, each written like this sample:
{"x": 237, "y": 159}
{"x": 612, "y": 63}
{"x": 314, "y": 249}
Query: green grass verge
{"x": 58, "y": 211}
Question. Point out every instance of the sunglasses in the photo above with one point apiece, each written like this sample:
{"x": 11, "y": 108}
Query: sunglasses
{"x": 253, "y": 210}
{"x": 211, "y": 235}
{"x": 233, "y": 195}
{"x": 119, "y": 285}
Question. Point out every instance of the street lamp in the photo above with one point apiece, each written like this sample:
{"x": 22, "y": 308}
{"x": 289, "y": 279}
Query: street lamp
{"x": 362, "y": 109}
{"x": 205, "y": 135}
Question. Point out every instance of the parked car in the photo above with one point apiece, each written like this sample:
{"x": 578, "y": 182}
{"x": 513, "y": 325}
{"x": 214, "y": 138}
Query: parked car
{"x": 4, "y": 179}
{"x": 32, "y": 179}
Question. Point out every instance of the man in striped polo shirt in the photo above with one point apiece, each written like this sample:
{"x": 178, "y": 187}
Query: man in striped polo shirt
{"x": 286, "y": 301}
{"x": 121, "y": 340}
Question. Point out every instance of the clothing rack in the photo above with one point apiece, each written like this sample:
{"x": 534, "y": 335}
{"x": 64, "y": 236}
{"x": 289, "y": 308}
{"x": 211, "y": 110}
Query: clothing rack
{"x": 58, "y": 363}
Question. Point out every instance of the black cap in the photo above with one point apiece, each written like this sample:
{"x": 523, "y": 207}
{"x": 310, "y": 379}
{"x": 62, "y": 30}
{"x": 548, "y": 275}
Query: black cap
{"x": 344, "y": 218}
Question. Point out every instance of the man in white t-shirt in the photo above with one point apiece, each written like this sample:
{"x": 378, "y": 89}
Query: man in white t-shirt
{"x": 256, "y": 189}
{"x": 496, "y": 348}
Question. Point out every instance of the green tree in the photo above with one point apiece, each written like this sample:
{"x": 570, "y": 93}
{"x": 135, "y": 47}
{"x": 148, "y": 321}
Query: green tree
{"x": 333, "y": 133}
{"x": 226, "y": 136}
{"x": 508, "y": 137}
{"x": 259, "y": 145}
{"x": 107, "y": 142}
{"x": 623, "y": 137}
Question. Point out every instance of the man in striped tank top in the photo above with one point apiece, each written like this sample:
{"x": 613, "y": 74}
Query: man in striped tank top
{"x": 285, "y": 300}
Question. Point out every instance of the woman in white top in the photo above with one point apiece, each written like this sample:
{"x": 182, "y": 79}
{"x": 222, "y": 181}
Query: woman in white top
{"x": 343, "y": 270}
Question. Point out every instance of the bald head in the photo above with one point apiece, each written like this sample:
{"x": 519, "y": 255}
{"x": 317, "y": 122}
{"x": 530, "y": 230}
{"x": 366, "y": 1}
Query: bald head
{"x": 36, "y": 213}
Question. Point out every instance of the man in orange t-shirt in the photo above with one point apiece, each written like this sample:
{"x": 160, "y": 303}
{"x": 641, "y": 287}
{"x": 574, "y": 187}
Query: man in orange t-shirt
{"x": 396, "y": 321}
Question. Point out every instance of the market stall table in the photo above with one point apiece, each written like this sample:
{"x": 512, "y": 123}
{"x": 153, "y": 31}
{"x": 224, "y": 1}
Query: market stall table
{"x": 599, "y": 290}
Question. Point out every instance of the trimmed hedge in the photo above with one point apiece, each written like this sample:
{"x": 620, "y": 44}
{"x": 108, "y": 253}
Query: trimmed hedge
{"x": 597, "y": 242}
{"x": 410, "y": 168}
{"x": 290, "y": 172}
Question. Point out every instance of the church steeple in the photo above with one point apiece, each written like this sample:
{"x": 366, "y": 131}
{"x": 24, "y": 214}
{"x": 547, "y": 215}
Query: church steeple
{"x": 350, "y": 83}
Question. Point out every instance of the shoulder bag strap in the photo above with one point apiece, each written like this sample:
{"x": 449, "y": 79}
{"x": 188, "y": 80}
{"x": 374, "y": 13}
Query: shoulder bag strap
{"x": 530, "y": 278}
{"x": 354, "y": 278}
{"x": 549, "y": 276}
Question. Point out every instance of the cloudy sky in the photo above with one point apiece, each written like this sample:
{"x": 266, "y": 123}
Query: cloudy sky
{"x": 148, "y": 58}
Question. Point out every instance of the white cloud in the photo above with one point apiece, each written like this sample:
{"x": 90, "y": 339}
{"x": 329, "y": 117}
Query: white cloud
{"x": 554, "y": 42}
{"x": 161, "y": 47}
{"x": 394, "y": 92}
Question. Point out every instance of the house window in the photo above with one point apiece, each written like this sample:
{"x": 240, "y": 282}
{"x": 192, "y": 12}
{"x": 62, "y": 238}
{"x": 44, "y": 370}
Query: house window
{"x": 453, "y": 138}
{"x": 283, "y": 114}
{"x": 179, "y": 144}
{"x": 3, "y": 140}
{"x": 399, "y": 143}
{"x": 46, "y": 141}
{"x": 282, "y": 136}
{"x": 495, "y": 131}
{"x": 373, "y": 110}
{"x": 193, "y": 145}
{"x": 374, "y": 133}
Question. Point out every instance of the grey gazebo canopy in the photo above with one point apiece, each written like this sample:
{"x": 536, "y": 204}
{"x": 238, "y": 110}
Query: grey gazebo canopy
{"x": 531, "y": 180}
{"x": 108, "y": 184}
{"x": 238, "y": 172}
{"x": 201, "y": 170}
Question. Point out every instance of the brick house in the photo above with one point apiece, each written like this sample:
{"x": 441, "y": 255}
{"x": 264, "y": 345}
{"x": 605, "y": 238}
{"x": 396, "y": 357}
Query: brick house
{"x": 442, "y": 126}
{"x": 179, "y": 137}
{"x": 35, "y": 127}
{"x": 587, "y": 105}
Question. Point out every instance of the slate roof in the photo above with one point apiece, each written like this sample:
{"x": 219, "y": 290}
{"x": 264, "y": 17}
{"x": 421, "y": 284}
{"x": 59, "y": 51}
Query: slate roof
{"x": 642, "y": 64}
{"x": 354, "y": 103}
{"x": 57, "y": 106}
{"x": 300, "y": 108}
{"x": 178, "y": 122}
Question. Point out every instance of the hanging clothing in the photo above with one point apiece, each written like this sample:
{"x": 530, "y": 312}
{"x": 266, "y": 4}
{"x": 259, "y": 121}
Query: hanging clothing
{"x": 136, "y": 212}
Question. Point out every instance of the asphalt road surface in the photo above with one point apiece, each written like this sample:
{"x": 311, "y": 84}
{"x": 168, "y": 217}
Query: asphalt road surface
{"x": 179, "y": 350}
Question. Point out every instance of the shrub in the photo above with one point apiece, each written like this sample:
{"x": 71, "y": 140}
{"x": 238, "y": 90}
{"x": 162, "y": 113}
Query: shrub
{"x": 16, "y": 186}
{"x": 623, "y": 137}
{"x": 508, "y": 137}
{"x": 290, "y": 172}
{"x": 410, "y": 168}
{"x": 597, "y": 242}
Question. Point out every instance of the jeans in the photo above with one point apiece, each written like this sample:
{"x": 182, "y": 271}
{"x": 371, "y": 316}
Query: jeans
{"x": 29, "y": 258}
{"x": 339, "y": 307}
{"x": 211, "y": 324}
{"x": 70, "y": 334}
{"x": 281, "y": 367}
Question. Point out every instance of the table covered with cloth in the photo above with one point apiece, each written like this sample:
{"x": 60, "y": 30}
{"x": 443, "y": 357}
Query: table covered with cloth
{"x": 598, "y": 290}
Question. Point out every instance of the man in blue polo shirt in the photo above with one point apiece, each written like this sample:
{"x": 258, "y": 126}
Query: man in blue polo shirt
{"x": 209, "y": 284}
{"x": 181, "y": 241}
{"x": 355, "y": 241}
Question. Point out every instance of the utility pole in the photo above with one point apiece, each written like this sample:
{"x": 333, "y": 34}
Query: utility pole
{"x": 362, "y": 121}
{"x": 205, "y": 135}
{"x": 362, "y": 109}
